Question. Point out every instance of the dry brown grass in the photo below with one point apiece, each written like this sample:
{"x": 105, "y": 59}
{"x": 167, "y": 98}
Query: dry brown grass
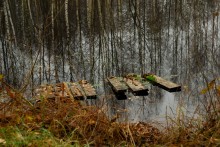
{"x": 70, "y": 123}
{"x": 67, "y": 119}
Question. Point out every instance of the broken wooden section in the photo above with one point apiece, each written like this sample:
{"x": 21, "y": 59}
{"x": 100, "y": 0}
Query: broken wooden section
{"x": 60, "y": 90}
{"x": 136, "y": 87}
{"x": 166, "y": 85}
{"x": 88, "y": 89}
{"x": 45, "y": 91}
{"x": 82, "y": 90}
{"x": 76, "y": 91}
{"x": 118, "y": 87}
{"x": 68, "y": 89}
{"x": 52, "y": 91}
{"x": 117, "y": 84}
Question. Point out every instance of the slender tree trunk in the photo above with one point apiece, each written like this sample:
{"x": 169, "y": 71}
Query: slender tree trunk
{"x": 11, "y": 21}
{"x": 54, "y": 48}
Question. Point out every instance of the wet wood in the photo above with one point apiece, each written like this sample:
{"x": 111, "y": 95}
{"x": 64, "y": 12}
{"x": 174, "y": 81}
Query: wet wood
{"x": 118, "y": 85}
{"x": 88, "y": 89}
{"x": 166, "y": 85}
{"x": 84, "y": 90}
{"x": 136, "y": 87}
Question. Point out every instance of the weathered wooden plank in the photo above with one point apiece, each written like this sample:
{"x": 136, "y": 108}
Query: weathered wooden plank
{"x": 61, "y": 90}
{"x": 76, "y": 92}
{"x": 136, "y": 87}
{"x": 88, "y": 89}
{"x": 118, "y": 87}
{"x": 165, "y": 84}
{"x": 45, "y": 91}
{"x": 117, "y": 84}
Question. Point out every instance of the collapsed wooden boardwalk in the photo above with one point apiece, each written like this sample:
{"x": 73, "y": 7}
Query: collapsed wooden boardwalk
{"x": 120, "y": 85}
{"x": 78, "y": 90}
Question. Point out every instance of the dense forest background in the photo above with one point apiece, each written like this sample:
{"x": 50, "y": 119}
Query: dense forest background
{"x": 51, "y": 41}
{"x": 47, "y": 41}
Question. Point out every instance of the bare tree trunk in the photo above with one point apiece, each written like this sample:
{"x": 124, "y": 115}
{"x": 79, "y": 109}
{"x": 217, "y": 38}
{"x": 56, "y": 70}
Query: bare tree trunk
{"x": 54, "y": 48}
{"x": 79, "y": 31}
{"x": 67, "y": 21}
{"x": 11, "y": 21}
{"x": 4, "y": 43}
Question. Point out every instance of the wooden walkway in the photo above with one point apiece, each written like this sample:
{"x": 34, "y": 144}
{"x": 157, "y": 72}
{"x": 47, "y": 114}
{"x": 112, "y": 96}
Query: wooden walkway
{"x": 134, "y": 84}
{"x": 79, "y": 90}
{"x": 117, "y": 84}
{"x": 120, "y": 86}
{"x": 162, "y": 83}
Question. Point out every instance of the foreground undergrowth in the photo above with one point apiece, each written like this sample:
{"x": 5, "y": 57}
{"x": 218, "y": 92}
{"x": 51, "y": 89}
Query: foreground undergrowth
{"x": 66, "y": 122}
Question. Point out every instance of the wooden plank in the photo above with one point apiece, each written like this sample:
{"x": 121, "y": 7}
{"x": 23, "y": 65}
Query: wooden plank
{"x": 88, "y": 89}
{"x": 165, "y": 84}
{"x": 118, "y": 87}
{"x": 49, "y": 92}
{"x": 136, "y": 87}
{"x": 76, "y": 92}
{"x": 117, "y": 84}
{"x": 79, "y": 90}
{"x": 45, "y": 91}
{"x": 61, "y": 90}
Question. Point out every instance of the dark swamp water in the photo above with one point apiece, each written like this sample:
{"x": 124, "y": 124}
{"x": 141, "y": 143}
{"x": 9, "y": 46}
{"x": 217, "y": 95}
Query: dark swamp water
{"x": 177, "y": 40}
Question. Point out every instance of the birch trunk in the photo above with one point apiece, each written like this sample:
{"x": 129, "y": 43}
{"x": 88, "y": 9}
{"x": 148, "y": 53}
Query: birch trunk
{"x": 67, "y": 21}
{"x": 53, "y": 41}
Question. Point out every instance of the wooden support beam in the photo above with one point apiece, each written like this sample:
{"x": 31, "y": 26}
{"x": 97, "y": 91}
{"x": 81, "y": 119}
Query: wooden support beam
{"x": 117, "y": 84}
{"x": 120, "y": 95}
{"x": 136, "y": 87}
{"x": 88, "y": 89}
{"x": 162, "y": 83}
